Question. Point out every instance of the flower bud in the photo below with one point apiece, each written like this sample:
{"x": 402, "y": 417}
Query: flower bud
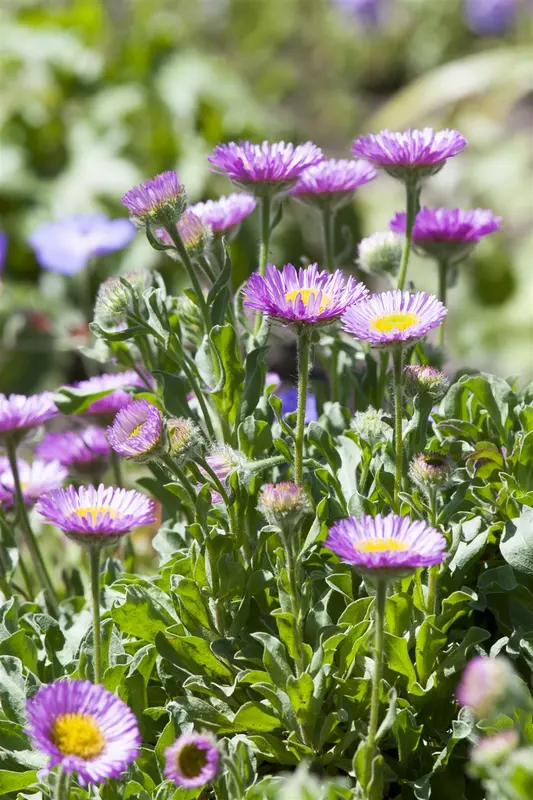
{"x": 195, "y": 234}
{"x": 114, "y": 300}
{"x": 432, "y": 470}
{"x": 381, "y": 253}
{"x": 185, "y": 439}
{"x": 370, "y": 427}
{"x": 490, "y": 686}
{"x": 283, "y": 504}
{"x": 422, "y": 379}
{"x": 493, "y": 750}
{"x": 160, "y": 200}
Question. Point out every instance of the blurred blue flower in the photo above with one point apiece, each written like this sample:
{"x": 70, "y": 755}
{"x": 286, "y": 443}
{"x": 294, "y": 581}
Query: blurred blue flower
{"x": 67, "y": 245}
{"x": 490, "y": 17}
{"x": 3, "y": 250}
{"x": 289, "y": 403}
{"x": 367, "y": 12}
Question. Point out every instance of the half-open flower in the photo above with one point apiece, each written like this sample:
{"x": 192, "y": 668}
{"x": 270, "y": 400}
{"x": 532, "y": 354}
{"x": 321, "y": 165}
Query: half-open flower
{"x": 136, "y": 430}
{"x": 160, "y": 200}
{"x": 225, "y": 214}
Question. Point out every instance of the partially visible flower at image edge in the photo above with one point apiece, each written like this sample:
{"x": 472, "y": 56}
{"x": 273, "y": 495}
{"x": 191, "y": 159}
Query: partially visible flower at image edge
{"x": 18, "y": 413}
{"x": 35, "y": 479}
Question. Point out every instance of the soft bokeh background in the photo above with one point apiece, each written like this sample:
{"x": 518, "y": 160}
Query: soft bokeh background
{"x": 97, "y": 95}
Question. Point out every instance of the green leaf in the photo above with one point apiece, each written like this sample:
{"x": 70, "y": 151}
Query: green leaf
{"x": 429, "y": 642}
{"x": 194, "y": 655}
{"x": 20, "y": 646}
{"x": 12, "y": 689}
{"x": 300, "y": 691}
{"x": 406, "y": 733}
{"x": 390, "y": 716}
{"x": 398, "y": 613}
{"x": 140, "y": 615}
{"x": 398, "y": 658}
{"x": 192, "y": 609}
{"x": 516, "y": 545}
{"x": 274, "y": 659}
{"x": 255, "y": 717}
{"x": 227, "y": 394}
{"x": 493, "y": 394}
{"x": 254, "y": 381}
{"x": 320, "y": 438}
{"x": 13, "y": 781}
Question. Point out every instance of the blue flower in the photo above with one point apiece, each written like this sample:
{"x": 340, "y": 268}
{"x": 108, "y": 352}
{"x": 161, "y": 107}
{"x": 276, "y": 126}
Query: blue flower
{"x": 490, "y": 17}
{"x": 289, "y": 403}
{"x": 67, "y": 245}
{"x": 3, "y": 250}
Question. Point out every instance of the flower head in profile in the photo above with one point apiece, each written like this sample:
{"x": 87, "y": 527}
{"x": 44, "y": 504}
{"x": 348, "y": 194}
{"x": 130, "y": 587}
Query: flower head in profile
{"x": 114, "y": 300}
{"x": 160, "y": 200}
{"x": 332, "y": 183}
{"x": 195, "y": 234}
{"x": 394, "y": 318}
{"x": 192, "y": 761}
{"x": 282, "y": 504}
{"x": 116, "y": 385}
{"x": 386, "y": 546}
{"x": 432, "y": 471}
{"x": 304, "y": 296}
{"x": 410, "y": 155}
{"x": 67, "y": 245}
{"x": 84, "y": 729}
{"x": 448, "y": 234}
{"x": 225, "y": 214}
{"x": 136, "y": 430}
{"x": 370, "y": 426}
{"x": 423, "y": 379}
{"x": 381, "y": 253}
{"x": 96, "y": 516}
{"x": 185, "y": 439}
{"x": 490, "y": 686}
{"x": 267, "y": 168}
{"x": 19, "y": 413}
{"x": 86, "y": 450}
{"x": 35, "y": 478}
{"x": 224, "y": 461}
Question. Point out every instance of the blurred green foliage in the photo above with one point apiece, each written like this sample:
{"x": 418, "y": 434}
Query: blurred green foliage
{"x": 94, "y": 96}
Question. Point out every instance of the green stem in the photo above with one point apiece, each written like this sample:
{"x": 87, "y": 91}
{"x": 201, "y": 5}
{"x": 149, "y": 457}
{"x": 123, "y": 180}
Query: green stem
{"x": 265, "y": 463}
{"x": 382, "y": 377}
{"x": 199, "y": 396}
{"x": 443, "y": 277}
{"x": 180, "y": 475}
{"x": 379, "y": 638}
{"x": 207, "y": 268}
{"x": 29, "y": 536}
{"x": 94, "y": 561}
{"x": 411, "y": 191}
{"x": 397, "y": 364}
{"x": 189, "y": 266}
{"x": 328, "y": 232}
{"x": 303, "y": 378}
{"x": 433, "y": 572}
{"x": 61, "y": 791}
{"x": 128, "y": 552}
{"x": 265, "y": 206}
{"x": 364, "y": 476}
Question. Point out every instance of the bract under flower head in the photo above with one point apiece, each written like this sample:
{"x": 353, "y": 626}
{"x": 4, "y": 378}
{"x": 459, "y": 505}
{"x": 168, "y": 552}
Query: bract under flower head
{"x": 267, "y": 168}
{"x": 283, "y": 504}
{"x": 394, "y": 318}
{"x": 332, "y": 183}
{"x": 83, "y": 728}
{"x": 35, "y": 478}
{"x": 136, "y": 431}
{"x": 386, "y": 547}
{"x": 192, "y": 761}
{"x": 304, "y": 296}
{"x": 114, "y": 300}
{"x": 381, "y": 253}
{"x": 448, "y": 234}
{"x": 226, "y": 213}
{"x": 95, "y": 517}
{"x": 85, "y": 449}
{"x": 67, "y": 245}
{"x": 490, "y": 686}
{"x": 159, "y": 200}
{"x": 116, "y": 384}
{"x": 423, "y": 379}
{"x": 19, "y": 413}
{"x": 411, "y": 155}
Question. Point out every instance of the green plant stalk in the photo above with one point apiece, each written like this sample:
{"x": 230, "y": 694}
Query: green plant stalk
{"x": 176, "y": 239}
{"x": 379, "y": 640}
{"x": 411, "y": 194}
{"x": 62, "y": 787}
{"x": 382, "y": 377}
{"x": 94, "y": 562}
{"x": 29, "y": 536}
{"x": 207, "y": 268}
{"x": 397, "y": 364}
{"x": 328, "y": 232}
{"x": 443, "y": 278}
{"x": 303, "y": 379}
{"x": 265, "y": 210}
{"x": 433, "y": 572}
{"x": 176, "y": 471}
{"x": 128, "y": 549}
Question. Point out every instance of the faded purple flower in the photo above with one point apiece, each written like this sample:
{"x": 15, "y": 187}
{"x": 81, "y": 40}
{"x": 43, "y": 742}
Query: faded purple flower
{"x": 19, "y": 413}
{"x": 67, "y": 245}
{"x": 367, "y": 12}
{"x": 81, "y": 448}
{"x": 389, "y": 545}
{"x": 192, "y": 761}
{"x": 136, "y": 430}
{"x": 411, "y": 154}
{"x": 83, "y": 728}
{"x": 490, "y": 17}
{"x": 226, "y": 213}
{"x": 289, "y": 403}
{"x": 282, "y": 504}
{"x": 303, "y": 296}
{"x": 392, "y": 318}
{"x": 35, "y": 479}
{"x": 158, "y": 199}
{"x": 485, "y": 683}
{"x": 114, "y": 383}
{"x": 332, "y": 183}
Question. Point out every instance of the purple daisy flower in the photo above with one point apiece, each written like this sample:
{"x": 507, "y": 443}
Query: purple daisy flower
{"x": 411, "y": 154}
{"x": 390, "y": 545}
{"x": 392, "y": 318}
{"x": 490, "y": 17}
{"x": 136, "y": 430}
{"x": 304, "y": 296}
{"x": 289, "y": 403}
{"x": 484, "y": 684}
{"x": 99, "y": 516}
{"x": 67, "y": 245}
{"x": 83, "y": 448}
{"x": 225, "y": 214}
{"x": 115, "y": 384}
{"x": 35, "y": 479}
{"x": 18, "y": 413}
{"x": 264, "y": 168}
{"x": 332, "y": 183}
{"x": 192, "y": 761}
{"x": 448, "y": 234}
{"x": 160, "y": 199}
{"x": 367, "y": 12}
{"x": 83, "y": 728}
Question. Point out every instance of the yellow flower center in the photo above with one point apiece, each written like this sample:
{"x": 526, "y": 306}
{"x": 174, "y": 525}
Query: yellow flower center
{"x": 136, "y": 431}
{"x": 77, "y": 735}
{"x": 400, "y": 321}
{"x": 306, "y": 295}
{"x": 93, "y": 511}
{"x": 380, "y": 545}
{"x": 191, "y": 760}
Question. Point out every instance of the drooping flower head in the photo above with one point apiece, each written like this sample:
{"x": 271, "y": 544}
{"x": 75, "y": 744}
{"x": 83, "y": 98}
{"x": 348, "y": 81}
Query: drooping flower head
{"x": 114, "y": 383}
{"x": 225, "y": 214}
{"x": 195, "y": 234}
{"x": 381, "y": 253}
{"x": 96, "y": 516}
{"x": 423, "y": 379}
{"x": 393, "y": 318}
{"x": 19, "y": 413}
{"x": 192, "y": 761}
{"x": 136, "y": 430}
{"x": 448, "y": 234}
{"x": 264, "y": 169}
{"x": 410, "y": 155}
{"x": 86, "y": 449}
{"x": 283, "y": 504}
{"x": 83, "y": 728}
{"x": 490, "y": 17}
{"x": 304, "y": 296}
{"x": 160, "y": 200}
{"x": 432, "y": 471}
{"x": 67, "y": 245}
{"x": 114, "y": 300}
{"x": 490, "y": 686}
{"x": 35, "y": 478}
{"x": 332, "y": 183}
{"x": 386, "y": 546}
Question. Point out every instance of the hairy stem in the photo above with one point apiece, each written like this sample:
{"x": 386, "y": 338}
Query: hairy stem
{"x": 94, "y": 562}
{"x": 397, "y": 363}
{"x": 303, "y": 378}
{"x": 379, "y": 638}
{"x": 265, "y": 210}
{"x": 443, "y": 278}
{"x": 411, "y": 192}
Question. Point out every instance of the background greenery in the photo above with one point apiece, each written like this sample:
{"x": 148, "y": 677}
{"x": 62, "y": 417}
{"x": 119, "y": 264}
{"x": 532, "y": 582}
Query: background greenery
{"x": 95, "y": 96}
